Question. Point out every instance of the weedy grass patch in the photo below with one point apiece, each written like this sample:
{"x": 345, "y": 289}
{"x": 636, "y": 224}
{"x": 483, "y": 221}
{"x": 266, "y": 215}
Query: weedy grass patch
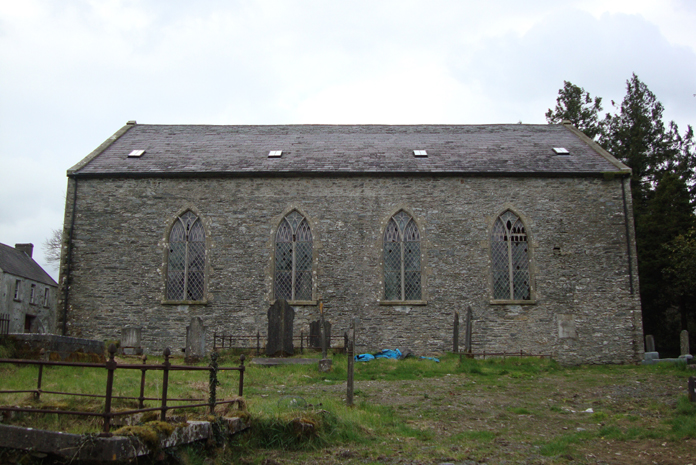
{"x": 456, "y": 409}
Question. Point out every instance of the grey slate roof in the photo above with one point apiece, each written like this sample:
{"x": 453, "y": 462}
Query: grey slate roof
{"x": 20, "y": 264}
{"x": 507, "y": 149}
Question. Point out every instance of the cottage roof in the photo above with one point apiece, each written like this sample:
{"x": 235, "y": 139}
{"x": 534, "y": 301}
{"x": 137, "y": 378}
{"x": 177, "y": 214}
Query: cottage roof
{"x": 20, "y": 264}
{"x": 506, "y": 149}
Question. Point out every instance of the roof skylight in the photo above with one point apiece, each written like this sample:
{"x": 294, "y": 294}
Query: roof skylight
{"x": 561, "y": 151}
{"x": 420, "y": 153}
{"x": 136, "y": 154}
{"x": 275, "y": 154}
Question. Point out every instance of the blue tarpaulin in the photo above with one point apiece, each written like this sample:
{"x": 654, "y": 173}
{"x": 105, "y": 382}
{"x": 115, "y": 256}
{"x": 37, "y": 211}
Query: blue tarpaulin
{"x": 386, "y": 353}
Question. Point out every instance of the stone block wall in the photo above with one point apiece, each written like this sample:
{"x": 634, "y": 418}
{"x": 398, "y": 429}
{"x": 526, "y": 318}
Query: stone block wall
{"x": 586, "y": 307}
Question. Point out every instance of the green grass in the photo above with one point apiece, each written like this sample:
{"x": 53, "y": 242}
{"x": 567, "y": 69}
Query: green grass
{"x": 419, "y": 421}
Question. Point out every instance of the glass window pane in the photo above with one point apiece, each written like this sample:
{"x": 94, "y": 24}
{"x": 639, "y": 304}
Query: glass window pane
{"x": 283, "y": 257}
{"x": 392, "y": 285}
{"x": 412, "y": 256}
{"x": 392, "y": 256}
{"x": 509, "y": 248}
{"x": 295, "y": 234}
{"x": 412, "y": 285}
{"x": 402, "y": 242}
{"x": 283, "y": 285}
{"x": 303, "y": 285}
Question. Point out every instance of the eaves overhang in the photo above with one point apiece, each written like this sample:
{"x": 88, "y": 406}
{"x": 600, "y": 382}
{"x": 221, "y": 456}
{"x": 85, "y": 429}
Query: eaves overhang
{"x": 329, "y": 174}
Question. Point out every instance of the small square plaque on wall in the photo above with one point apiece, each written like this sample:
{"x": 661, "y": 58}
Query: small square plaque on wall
{"x": 566, "y": 326}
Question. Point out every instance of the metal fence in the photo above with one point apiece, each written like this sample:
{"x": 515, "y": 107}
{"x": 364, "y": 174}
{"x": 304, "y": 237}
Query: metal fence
{"x": 257, "y": 342}
{"x": 111, "y": 366}
{"x": 485, "y": 354}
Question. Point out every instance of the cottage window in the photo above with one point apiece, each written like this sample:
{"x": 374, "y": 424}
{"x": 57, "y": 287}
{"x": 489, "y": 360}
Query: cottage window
{"x": 402, "y": 259}
{"x": 293, "y": 259}
{"x": 47, "y": 294}
{"x": 17, "y": 286}
{"x": 510, "y": 259}
{"x": 32, "y": 294}
{"x": 186, "y": 261}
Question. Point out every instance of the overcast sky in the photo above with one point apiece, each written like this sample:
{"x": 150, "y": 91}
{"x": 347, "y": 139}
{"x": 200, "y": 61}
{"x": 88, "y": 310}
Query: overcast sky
{"x": 73, "y": 72}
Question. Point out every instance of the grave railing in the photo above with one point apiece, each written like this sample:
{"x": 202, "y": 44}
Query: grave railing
{"x": 484, "y": 354}
{"x": 223, "y": 341}
{"x": 111, "y": 366}
{"x": 4, "y": 324}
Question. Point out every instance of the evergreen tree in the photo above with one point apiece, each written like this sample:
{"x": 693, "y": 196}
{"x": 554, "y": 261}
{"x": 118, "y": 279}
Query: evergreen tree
{"x": 681, "y": 274}
{"x": 663, "y": 188}
{"x": 577, "y": 106}
{"x": 666, "y": 216}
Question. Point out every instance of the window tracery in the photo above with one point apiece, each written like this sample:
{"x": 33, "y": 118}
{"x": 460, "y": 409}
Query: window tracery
{"x": 293, "y": 258}
{"x": 186, "y": 260}
{"x": 401, "y": 256}
{"x": 510, "y": 259}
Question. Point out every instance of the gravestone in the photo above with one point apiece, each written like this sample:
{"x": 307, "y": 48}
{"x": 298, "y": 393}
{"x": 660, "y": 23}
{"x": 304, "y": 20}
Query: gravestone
{"x": 467, "y": 335}
{"x": 315, "y": 334}
{"x": 650, "y": 357}
{"x": 195, "y": 340}
{"x": 280, "y": 318}
{"x": 649, "y": 343}
{"x": 130, "y": 340}
{"x": 684, "y": 342}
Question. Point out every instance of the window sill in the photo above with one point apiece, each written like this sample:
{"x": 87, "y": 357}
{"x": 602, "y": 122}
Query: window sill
{"x": 300, "y": 303}
{"x": 17, "y": 300}
{"x": 401, "y": 303}
{"x": 512, "y": 302}
{"x": 184, "y": 302}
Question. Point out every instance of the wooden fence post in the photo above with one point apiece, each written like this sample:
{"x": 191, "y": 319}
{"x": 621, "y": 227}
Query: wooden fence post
{"x": 213, "y": 382}
{"x": 241, "y": 374}
{"x": 110, "y": 367}
{"x": 467, "y": 336}
{"x": 322, "y": 330}
{"x": 351, "y": 363}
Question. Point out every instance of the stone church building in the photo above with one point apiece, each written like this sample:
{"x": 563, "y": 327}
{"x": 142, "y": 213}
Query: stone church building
{"x": 399, "y": 226}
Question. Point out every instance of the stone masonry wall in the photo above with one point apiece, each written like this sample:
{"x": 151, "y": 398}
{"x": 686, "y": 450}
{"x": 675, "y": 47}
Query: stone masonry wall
{"x": 18, "y": 309}
{"x": 584, "y": 311}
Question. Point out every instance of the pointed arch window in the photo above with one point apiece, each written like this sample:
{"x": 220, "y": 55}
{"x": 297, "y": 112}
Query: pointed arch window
{"x": 293, "y": 259}
{"x": 402, "y": 259}
{"x": 510, "y": 259}
{"x": 186, "y": 260}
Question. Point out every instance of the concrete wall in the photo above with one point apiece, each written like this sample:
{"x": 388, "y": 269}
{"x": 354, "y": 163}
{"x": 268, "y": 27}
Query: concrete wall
{"x": 584, "y": 309}
{"x": 18, "y": 309}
